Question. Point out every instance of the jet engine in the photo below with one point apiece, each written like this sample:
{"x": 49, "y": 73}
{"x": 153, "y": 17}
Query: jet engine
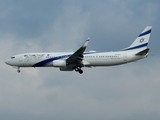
{"x": 59, "y": 63}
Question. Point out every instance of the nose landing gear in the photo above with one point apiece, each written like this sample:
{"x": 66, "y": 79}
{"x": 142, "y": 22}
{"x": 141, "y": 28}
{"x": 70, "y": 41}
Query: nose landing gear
{"x": 18, "y": 68}
{"x": 18, "y": 71}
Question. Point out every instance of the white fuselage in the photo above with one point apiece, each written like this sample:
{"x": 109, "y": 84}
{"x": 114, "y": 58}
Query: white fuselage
{"x": 89, "y": 59}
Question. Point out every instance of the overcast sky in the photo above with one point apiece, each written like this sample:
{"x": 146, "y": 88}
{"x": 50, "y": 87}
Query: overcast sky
{"x": 125, "y": 92}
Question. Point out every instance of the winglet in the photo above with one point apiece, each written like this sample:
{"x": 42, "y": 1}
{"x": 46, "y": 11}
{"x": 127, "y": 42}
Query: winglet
{"x": 86, "y": 43}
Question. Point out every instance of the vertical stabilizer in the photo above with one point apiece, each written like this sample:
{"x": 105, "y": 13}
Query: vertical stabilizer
{"x": 142, "y": 40}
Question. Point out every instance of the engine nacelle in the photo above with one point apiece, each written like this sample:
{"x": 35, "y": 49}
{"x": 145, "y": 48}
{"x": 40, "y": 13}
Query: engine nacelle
{"x": 59, "y": 63}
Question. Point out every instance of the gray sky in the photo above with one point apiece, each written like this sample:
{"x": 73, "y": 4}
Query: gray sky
{"x": 124, "y": 92}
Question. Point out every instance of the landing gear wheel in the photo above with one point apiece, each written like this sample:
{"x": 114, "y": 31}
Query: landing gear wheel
{"x": 80, "y": 71}
{"x": 18, "y": 71}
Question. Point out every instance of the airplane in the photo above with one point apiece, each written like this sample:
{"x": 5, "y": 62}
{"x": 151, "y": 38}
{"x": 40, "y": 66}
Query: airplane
{"x": 69, "y": 61}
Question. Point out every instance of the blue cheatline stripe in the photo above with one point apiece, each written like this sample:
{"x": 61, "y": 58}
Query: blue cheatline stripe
{"x": 145, "y": 33}
{"x": 136, "y": 47}
{"x": 42, "y": 63}
{"x": 46, "y": 61}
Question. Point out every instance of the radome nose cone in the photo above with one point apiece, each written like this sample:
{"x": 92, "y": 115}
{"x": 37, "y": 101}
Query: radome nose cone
{"x": 7, "y": 62}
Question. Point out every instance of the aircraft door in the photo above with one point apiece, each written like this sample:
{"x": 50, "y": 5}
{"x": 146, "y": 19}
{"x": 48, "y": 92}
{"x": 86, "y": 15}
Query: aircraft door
{"x": 25, "y": 58}
{"x": 20, "y": 59}
{"x": 125, "y": 57}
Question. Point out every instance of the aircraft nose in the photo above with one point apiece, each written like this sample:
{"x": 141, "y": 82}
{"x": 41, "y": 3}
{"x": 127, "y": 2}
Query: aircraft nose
{"x": 7, "y": 62}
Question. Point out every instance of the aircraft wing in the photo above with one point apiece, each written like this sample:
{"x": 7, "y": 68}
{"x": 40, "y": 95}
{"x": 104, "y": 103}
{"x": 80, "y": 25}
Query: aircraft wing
{"x": 77, "y": 57}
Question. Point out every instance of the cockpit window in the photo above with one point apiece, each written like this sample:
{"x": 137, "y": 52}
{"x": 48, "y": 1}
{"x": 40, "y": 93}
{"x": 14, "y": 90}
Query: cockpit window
{"x": 25, "y": 55}
{"x": 12, "y": 57}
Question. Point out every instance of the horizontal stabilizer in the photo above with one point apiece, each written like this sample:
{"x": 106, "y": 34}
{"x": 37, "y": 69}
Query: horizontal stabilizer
{"x": 143, "y": 52}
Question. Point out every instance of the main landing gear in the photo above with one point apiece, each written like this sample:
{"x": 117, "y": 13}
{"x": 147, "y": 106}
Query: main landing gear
{"x": 78, "y": 69}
